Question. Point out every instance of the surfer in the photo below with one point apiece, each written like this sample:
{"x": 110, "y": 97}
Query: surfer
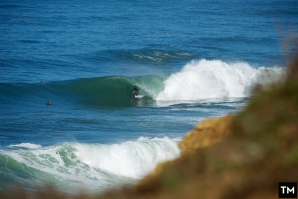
{"x": 136, "y": 91}
{"x": 49, "y": 103}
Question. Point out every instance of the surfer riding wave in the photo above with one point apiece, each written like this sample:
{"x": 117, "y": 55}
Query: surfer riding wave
{"x": 136, "y": 91}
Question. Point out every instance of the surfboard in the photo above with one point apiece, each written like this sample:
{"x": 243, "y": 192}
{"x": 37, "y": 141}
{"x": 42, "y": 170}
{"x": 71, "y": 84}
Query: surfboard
{"x": 139, "y": 96}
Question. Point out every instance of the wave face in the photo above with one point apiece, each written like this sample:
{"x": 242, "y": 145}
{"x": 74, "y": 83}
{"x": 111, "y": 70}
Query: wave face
{"x": 87, "y": 166}
{"x": 215, "y": 79}
{"x": 114, "y": 91}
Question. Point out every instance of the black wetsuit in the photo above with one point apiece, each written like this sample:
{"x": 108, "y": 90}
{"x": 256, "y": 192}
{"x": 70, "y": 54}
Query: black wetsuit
{"x": 135, "y": 91}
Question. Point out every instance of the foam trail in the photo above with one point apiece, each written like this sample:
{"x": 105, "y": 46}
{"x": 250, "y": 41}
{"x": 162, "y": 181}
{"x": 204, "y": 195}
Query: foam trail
{"x": 215, "y": 79}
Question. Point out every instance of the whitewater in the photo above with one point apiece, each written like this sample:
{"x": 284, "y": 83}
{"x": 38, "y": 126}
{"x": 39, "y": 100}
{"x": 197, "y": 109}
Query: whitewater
{"x": 207, "y": 79}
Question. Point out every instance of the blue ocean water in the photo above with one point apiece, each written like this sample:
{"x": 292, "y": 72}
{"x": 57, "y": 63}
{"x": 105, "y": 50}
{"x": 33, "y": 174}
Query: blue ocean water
{"x": 190, "y": 59}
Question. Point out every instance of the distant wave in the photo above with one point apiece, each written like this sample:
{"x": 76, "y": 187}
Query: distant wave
{"x": 216, "y": 79}
{"x": 89, "y": 166}
{"x": 145, "y": 56}
{"x": 25, "y": 145}
{"x": 156, "y": 56}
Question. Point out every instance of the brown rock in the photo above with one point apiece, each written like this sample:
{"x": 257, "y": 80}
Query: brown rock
{"x": 206, "y": 133}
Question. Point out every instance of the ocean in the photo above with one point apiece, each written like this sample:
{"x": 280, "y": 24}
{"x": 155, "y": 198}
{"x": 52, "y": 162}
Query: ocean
{"x": 190, "y": 60}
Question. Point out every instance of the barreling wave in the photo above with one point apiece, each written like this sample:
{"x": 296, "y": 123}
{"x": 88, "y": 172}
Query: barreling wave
{"x": 109, "y": 91}
{"x": 196, "y": 81}
{"x": 102, "y": 91}
{"x": 94, "y": 167}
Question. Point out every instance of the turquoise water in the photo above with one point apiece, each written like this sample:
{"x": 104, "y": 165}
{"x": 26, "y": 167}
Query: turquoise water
{"x": 191, "y": 60}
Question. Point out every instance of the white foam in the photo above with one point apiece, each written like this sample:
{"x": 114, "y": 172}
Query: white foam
{"x": 132, "y": 159}
{"x": 25, "y": 145}
{"x": 215, "y": 79}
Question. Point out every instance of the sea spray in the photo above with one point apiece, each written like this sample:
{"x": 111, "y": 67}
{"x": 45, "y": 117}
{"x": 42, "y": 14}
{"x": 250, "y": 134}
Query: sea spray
{"x": 215, "y": 79}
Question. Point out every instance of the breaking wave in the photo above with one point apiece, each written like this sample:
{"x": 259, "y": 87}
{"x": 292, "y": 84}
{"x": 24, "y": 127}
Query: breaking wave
{"x": 196, "y": 81}
{"x": 94, "y": 167}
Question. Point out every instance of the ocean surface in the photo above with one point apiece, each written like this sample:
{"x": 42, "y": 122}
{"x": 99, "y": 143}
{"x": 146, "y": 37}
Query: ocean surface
{"x": 191, "y": 60}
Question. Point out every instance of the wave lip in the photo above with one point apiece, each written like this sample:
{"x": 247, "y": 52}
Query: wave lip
{"x": 215, "y": 79}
